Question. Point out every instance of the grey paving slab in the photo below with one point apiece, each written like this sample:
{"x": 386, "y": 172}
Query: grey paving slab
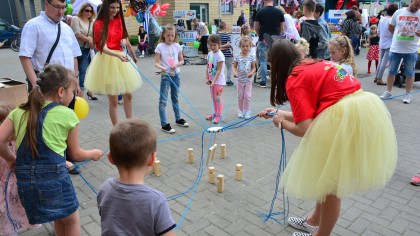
{"x": 393, "y": 210}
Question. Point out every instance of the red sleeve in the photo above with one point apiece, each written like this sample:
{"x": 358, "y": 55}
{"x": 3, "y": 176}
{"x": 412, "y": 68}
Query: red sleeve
{"x": 301, "y": 91}
{"x": 97, "y": 33}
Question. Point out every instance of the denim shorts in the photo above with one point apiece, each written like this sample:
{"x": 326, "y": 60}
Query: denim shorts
{"x": 409, "y": 60}
{"x": 46, "y": 192}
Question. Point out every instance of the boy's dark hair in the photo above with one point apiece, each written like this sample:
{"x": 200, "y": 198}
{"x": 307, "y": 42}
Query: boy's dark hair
{"x": 131, "y": 143}
{"x": 309, "y": 5}
{"x": 215, "y": 38}
{"x": 391, "y": 9}
{"x": 354, "y": 8}
{"x": 350, "y": 15}
{"x": 319, "y": 9}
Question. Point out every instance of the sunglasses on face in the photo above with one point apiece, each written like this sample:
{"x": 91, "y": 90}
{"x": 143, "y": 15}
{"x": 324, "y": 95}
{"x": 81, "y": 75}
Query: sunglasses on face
{"x": 88, "y": 11}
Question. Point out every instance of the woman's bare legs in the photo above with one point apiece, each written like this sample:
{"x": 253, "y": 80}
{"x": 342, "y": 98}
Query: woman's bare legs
{"x": 330, "y": 211}
{"x": 128, "y": 106}
{"x": 113, "y": 108}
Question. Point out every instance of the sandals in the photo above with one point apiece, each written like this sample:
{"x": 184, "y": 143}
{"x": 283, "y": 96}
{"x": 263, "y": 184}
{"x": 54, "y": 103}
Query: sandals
{"x": 380, "y": 82}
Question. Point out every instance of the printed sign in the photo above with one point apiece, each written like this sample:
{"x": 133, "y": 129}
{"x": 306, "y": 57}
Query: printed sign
{"x": 337, "y": 14}
{"x": 406, "y": 27}
{"x": 188, "y": 38}
{"x": 184, "y": 14}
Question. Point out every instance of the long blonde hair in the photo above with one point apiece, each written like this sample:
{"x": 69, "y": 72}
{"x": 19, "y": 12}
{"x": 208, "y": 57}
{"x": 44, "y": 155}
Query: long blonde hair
{"x": 343, "y": 42}
{"x": 168, "y": 27}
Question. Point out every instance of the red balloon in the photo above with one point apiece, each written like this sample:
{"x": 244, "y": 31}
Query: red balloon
{"x": 163, "y": 13}
{"x": 165, "y": 6}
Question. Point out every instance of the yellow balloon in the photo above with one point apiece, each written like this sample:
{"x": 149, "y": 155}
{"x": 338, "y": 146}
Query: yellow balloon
{"x": 81, "y": 108}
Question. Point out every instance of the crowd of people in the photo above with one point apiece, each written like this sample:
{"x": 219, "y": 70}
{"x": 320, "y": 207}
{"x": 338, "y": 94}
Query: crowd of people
{"x": 316, "y": 74}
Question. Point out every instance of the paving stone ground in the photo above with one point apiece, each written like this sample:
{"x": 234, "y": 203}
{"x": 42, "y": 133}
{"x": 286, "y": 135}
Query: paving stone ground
{"x": 393, "y": 210}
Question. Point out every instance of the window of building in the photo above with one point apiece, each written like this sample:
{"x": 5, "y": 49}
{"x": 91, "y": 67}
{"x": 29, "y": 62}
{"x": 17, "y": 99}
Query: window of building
{"x": 227, "y": 8}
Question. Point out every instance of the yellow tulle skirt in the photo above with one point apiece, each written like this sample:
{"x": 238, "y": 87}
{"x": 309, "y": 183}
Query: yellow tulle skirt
{"x": 109, "y": 75}
{"x": 348, "y": 149}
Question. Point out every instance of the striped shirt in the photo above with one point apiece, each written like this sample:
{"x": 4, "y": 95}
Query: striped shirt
{"x": 351, "y": 28}
{"x": 225, "y": 38}
{"x": 38, "y": 37}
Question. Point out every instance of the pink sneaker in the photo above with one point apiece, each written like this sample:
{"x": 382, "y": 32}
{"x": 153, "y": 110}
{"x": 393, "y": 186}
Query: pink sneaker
{"x": 217, "y": 119}
{"x": 415, "y": 180}
{"x": 210, "y": 117}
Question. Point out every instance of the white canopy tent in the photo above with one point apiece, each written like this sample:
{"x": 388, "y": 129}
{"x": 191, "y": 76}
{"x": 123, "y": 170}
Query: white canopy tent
{"x": 78, "y": 4}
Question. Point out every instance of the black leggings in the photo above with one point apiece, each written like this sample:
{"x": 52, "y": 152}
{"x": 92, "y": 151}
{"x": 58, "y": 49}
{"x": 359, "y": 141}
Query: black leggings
{"x": 203, "y": 45}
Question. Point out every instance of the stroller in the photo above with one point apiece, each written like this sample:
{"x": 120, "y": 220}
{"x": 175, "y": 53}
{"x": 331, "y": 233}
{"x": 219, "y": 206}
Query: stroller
{"x": 400, "y": 77}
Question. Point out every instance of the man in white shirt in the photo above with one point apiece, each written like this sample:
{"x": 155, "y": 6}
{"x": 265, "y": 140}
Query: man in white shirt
{"x": 38, "y": 37}
{"x": 203, "y": 35}
{"x": 405, "y": 28}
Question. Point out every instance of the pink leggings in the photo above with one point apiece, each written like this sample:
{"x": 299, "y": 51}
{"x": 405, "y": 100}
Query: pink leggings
{"x": 216, "y": 96}
{"x": 244, "y": 96}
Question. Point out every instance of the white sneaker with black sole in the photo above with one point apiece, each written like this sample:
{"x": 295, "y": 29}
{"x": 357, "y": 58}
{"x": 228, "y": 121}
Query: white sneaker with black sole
{"x": 182, "y": 123}
{"x": 407, "y": 99}
{"x": 168, "y": 129}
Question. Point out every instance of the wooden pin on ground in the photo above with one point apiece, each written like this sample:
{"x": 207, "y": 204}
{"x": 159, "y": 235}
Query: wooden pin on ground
{"x": 156, "y": 168}
{"x": 213, "y": 151}
{"x": 209, "y": 155}
{"x": 212, "y": 175}
{"x": 190, "y": 155}
{"x": 220, "y": 183}
{"x": 223, "y": 150}
{"x": 238, "y": 172}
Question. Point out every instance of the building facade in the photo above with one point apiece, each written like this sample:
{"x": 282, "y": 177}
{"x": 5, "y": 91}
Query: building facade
{"x": 18, "y": 12}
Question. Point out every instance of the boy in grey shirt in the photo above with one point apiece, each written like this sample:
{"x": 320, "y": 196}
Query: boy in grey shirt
{"x": 126, "y": 205}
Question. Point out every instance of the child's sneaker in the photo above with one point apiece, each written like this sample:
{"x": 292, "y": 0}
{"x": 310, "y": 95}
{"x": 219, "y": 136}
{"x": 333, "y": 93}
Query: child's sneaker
{"x": 229, "y": 83}
{"x": 217, "y": 119}
{"x": 168, "y": 129}
{"x": 210, "y": 117}
{"x": 182, "y": 122}
{"x": 248, "y": 115}
{"x": 240, "y": 114}
{"x": 415, "y": 180}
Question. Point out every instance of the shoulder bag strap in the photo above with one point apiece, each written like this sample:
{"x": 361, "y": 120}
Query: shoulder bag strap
{"x": 55, "y": 44}
{"x": 87, "y": 35}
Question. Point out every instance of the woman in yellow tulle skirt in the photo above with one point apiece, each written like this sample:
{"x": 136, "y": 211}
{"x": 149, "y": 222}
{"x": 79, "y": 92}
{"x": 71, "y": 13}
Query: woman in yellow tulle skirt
{"x": 348, "y": 141}
{"x": 111, "y": 72}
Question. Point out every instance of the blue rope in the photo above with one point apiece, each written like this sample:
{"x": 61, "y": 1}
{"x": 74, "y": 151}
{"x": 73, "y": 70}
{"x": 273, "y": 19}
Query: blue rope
{"x": 15, "y": 227}
{"x": 182, "y": 94}
{"x": 401, "y": 95}
{"x": 285, "y": 212}
{"x": 87, "y": 183}
{"x": 195, "y": 185}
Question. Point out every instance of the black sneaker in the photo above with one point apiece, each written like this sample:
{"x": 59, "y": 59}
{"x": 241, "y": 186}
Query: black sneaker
{"x": 168, "y": 129}
{"x": 262, "y": 85}
{"x": 229, "y": 83}
{"x": 182, "y": 122}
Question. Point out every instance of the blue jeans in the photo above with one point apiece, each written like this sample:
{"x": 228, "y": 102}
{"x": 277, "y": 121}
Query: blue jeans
{"x": 262, "y": 49}
{"x": 166, "y": 82}
{"x": 83, "y": 62}
{"x": 354, "y": 43}
{"x": 383, "y": 60}
{"x": 409, "y": 60}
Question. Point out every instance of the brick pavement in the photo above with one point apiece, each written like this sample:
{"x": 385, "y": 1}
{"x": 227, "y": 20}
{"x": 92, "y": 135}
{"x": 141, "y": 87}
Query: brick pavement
{"x": 393, "y": 210}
